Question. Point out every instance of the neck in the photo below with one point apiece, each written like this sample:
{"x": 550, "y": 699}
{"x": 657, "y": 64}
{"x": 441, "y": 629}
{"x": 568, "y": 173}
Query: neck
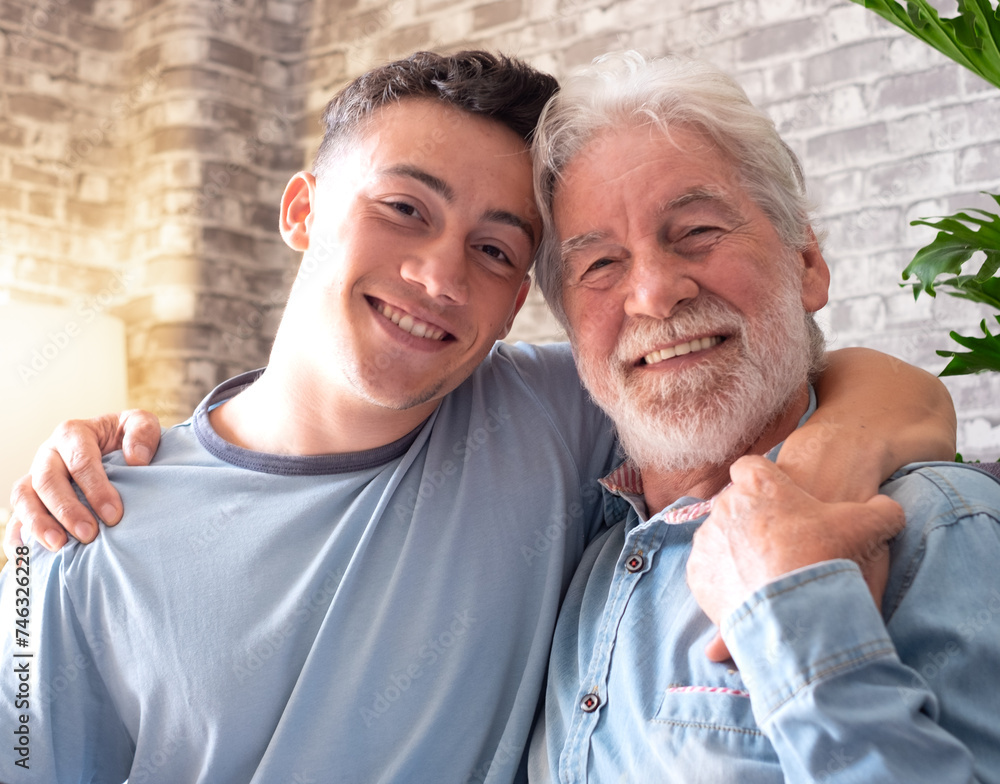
{"x": 272, "y": 417}
{"x": 662, "y": 488}
{"x": 296, "y": 408}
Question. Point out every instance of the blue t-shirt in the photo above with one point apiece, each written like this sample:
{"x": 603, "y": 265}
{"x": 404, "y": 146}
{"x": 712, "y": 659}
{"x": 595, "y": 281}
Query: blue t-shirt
{"x": 377, "y": 616}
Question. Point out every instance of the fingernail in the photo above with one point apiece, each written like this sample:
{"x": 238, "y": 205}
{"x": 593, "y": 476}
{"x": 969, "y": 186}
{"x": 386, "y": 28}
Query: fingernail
{"x": 109, "y": 513}
{"x": 143, "y": 453}
{"x": 53, "y": 539}
{"x": 84, "y": 532}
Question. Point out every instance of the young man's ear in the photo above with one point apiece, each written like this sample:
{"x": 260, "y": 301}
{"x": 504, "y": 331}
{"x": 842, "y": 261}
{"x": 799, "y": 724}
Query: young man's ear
{"x": 297, "y": 203}
{"x": 815, "y": 276}
{"x": 522, "y": 294}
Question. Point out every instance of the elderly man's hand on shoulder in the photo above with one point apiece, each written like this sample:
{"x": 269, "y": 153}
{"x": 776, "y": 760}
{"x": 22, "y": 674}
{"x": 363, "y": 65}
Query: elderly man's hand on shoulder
{"x": 764, "y": 526}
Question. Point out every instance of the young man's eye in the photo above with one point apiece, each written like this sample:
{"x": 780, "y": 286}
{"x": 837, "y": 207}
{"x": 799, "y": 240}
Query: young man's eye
{"x": 404, "y": 208}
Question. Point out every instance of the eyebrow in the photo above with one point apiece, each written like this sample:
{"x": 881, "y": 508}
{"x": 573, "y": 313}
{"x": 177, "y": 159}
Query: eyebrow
{"x": 510, "y": 219}
{"x": 581, "y": 241}
{"x": 702, "y": 194}
{"x": 442, "y": 188}
{"x": 436, "y": 184}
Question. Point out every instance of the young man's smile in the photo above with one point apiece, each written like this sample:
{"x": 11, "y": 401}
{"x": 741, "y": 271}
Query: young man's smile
{"x": 408, "y": 323}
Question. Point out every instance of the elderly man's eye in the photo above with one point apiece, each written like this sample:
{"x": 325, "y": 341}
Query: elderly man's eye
{"x": 600, "y": 264}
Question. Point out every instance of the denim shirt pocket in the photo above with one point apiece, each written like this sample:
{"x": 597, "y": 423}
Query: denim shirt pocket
{"x": 716, "y": 724}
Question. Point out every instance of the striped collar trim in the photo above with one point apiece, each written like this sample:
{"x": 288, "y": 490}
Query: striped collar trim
{"x": 626, "y": 480}
{"x": 685, "y": 514}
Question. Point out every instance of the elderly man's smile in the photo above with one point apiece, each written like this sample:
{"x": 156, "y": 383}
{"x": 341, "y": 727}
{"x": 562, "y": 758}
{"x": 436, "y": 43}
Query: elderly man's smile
{"x": 680, "y": 349}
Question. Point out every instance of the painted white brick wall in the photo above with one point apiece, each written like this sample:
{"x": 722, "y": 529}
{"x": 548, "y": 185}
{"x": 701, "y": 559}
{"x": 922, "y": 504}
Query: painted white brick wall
{"x": 888, "y": 131}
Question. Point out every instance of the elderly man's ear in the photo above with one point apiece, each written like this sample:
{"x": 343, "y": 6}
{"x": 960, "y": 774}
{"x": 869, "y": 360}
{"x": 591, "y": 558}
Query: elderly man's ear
{"x": 815, "y": 276}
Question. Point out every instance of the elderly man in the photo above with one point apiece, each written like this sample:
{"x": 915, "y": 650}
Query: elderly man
{"x": 347, "y": 567}
{"x": 679, "y": 255}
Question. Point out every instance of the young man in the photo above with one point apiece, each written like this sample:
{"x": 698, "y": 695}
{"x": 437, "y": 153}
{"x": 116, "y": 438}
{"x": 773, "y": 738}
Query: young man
{"x": 349, "y": 565}
{"x": 680, "y": 256}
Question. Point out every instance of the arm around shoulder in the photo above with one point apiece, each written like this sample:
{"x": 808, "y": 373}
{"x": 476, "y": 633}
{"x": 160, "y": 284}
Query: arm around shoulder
{"x": 875, "y": 414}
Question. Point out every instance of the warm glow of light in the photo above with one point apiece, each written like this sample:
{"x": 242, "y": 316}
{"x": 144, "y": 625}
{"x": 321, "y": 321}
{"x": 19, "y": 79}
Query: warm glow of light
{"x": 55, "y": 363}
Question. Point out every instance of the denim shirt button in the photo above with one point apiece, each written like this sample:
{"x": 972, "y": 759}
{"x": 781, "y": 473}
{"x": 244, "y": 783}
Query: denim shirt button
{"x": 590, "y": 703}
{"x": 635, "y": 563}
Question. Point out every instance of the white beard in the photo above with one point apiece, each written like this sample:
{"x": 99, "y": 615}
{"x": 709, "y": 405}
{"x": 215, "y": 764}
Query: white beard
{"x": 711, "y": 412}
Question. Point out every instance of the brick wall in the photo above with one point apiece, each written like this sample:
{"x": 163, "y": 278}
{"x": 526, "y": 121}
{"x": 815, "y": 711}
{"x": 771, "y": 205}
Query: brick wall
{"x": 144, "y": 146}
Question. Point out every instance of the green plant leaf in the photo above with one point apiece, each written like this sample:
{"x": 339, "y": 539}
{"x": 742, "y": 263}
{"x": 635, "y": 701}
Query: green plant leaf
{"x": 990, "y": 265}
{"x": 959, "y": 237}
{"x": 986, "y": 292}
{"x": 965, "y": 26}
{"x": 971, "y": 39}
{"x": 945, "y": 254}
{"x": 983, "y": 354}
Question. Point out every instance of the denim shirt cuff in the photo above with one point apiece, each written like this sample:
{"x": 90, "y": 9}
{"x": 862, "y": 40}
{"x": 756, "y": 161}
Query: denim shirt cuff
{"x": 807, "y": 626}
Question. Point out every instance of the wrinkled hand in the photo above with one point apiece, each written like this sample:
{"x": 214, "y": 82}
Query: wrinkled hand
{"x": 764, "y": 526}
{"x": 44, "y": 500}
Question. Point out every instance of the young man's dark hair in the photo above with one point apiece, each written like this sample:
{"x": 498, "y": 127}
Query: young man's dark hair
{"x": 502, "y": 88}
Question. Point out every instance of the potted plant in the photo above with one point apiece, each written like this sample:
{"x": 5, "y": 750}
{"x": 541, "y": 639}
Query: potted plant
{"x": 972, "y": 39}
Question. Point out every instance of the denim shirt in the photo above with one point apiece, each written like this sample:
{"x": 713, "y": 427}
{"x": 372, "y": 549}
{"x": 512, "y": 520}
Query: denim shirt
{"x": 822, "y": 686}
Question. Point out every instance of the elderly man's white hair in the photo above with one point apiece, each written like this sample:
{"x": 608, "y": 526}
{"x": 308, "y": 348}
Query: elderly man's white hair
{"x": 625, "y": 90}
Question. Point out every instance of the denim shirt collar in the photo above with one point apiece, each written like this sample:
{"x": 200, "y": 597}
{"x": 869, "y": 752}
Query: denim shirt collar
{"x": 622, "y": 489}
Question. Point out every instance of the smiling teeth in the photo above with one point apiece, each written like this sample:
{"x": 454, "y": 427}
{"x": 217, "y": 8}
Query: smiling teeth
{"x": 698, "y": 344}
{"x": 407, "y": 323}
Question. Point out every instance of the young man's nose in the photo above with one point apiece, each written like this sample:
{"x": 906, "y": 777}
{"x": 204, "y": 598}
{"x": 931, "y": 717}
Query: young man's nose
{"x": 440, "y": 267}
